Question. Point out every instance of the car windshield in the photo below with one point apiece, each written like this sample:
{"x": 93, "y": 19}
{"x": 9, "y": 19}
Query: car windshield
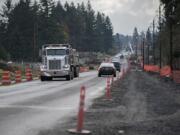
{"x": 107, "y": 65}
{"x": 56, "y": 52}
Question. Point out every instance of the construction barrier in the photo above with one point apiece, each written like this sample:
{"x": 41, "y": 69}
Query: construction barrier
{"x": 6, "y": 79}
{"x": 176, "y": 76}
{"x": 166, "y": 71}
{"x": 84, "y": 69}
{"x": 79, "y": 129}
{"x": 28, "y": 74}
{"x": 18, "y": 77}
{"x": 151, "y": 68}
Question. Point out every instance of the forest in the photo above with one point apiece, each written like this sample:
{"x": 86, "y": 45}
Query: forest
{"x": 26, "y": 25}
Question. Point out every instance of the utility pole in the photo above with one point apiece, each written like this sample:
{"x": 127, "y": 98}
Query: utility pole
{"x": 142, "y": 47}
{"x": 148, "y": 45}
{"x": 136, "y": 49}
{"x": 171, "y": 45}
{"x": 154, "y": 53}
{"x": 143, "y": 52}
{"x": 171, "y": 35}
{"x": 160, "y": 47}
{"x": 34, "y": 42}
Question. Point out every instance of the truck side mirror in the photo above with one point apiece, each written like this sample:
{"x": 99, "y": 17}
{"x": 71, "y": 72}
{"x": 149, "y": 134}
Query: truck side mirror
{"x": 67, "y": 51}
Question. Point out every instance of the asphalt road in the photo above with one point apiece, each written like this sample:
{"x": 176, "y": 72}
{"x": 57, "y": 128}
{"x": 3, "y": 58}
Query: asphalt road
{"x": 27, "y": 108}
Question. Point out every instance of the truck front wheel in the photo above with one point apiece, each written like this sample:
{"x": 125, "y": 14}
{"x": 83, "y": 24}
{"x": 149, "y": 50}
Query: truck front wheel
{"x": 71, "y": 75}
{"x": 68, "y": 77}
{"x": 43, "y": 78}
{"x": 76, "y": 72}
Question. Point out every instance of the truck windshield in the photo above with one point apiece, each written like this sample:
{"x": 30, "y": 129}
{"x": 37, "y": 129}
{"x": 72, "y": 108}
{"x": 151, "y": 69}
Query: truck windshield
{"x": 56, "y": 52}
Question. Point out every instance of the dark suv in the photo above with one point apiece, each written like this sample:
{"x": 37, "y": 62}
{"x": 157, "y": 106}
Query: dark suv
{"x": 117, "y": 65}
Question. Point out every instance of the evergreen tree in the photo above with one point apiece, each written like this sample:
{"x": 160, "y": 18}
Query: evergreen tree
{"x": 20, "y": 31}
{"x": 135, "y": 40}
{"x": 27, "y": 25}
{"x": 90, "y": 33}
{"x": 99, "y": 31}
{"x": 3, "y": 53}
{"x": 108, "y": 32}
{"x": 148, "y": 44}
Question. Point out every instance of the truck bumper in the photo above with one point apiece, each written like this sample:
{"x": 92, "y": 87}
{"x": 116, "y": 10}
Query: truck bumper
{"x": 62, "y": 73}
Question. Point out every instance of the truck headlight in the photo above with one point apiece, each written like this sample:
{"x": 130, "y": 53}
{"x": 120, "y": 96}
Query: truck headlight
{"x": 66, "y": 67}
{"x": 42, "y": 68}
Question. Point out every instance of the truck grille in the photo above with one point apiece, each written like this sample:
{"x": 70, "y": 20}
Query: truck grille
{"x": 54, "y": 64}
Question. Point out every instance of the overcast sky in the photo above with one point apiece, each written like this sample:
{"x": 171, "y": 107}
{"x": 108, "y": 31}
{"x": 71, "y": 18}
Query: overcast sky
{"x": 124, "y": 14}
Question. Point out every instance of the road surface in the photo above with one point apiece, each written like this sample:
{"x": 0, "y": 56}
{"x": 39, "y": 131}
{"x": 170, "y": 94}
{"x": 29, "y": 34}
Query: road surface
{"x": 27, "y": 108}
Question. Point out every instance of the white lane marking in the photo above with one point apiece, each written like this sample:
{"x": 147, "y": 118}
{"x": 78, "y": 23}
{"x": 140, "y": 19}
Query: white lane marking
{"x": 36, "y": 107}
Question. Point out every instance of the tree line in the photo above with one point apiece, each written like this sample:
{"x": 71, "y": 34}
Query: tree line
{"x": 161, "y": 46}
{"x": 169, "y": 35}
{"x": 25, "y": 26}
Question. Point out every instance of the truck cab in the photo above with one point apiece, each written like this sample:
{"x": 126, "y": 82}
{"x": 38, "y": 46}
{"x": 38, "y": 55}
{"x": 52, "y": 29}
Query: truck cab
{"x": 59, "y": 61}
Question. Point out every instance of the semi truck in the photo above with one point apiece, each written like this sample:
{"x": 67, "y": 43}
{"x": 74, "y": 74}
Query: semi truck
{"x": 59, "y": 61}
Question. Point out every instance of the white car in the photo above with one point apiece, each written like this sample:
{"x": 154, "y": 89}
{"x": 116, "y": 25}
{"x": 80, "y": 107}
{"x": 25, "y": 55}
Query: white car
{"x": 107, "y": 69}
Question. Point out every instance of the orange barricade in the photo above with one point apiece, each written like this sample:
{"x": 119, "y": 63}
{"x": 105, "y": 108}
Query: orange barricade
{"x": 28, "y": 74}
{"x": 84, "y": 69}
{"x": 151, "y": 68}
{"x": 6, "y": 78}
{"x": 176, "y": 76}
{"x": 18, "y": 76}
{"x": 81, "y": 69}
{"x": 166, "y": 71}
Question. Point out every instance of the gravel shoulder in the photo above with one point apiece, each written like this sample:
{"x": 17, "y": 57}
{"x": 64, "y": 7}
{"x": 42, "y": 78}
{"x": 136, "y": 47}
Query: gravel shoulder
{"x": 143, "y": 104}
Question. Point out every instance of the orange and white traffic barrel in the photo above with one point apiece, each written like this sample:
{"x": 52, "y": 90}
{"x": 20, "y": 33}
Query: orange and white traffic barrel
{"x": 28, "y": 74}
{"x": 18, "y": 76}
{"x": 6, "y": 78}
